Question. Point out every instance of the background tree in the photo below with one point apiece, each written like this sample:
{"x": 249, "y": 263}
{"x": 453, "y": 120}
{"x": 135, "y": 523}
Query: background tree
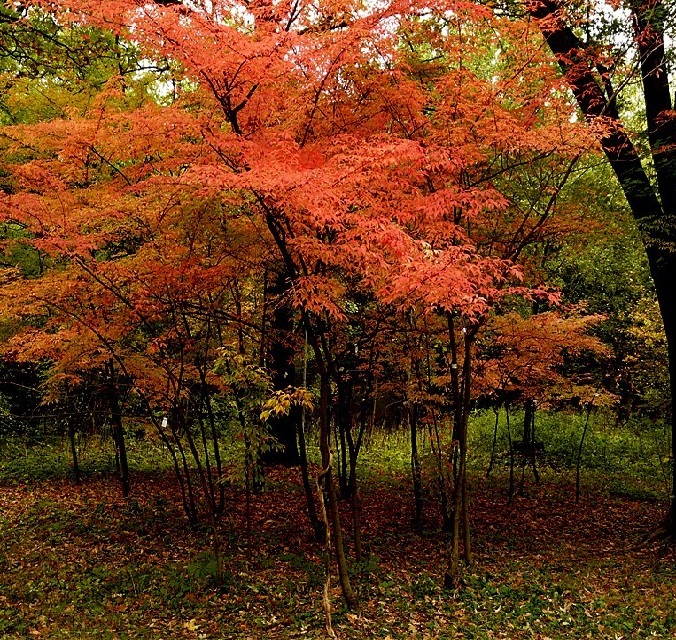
{"x": 595, "y": 78}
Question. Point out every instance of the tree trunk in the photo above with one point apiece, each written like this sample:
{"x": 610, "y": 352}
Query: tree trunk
{"x": 118, "y": 429}
{"x": 73, "y": 449}
{"x": 281, "y": 353}
{"x": 491, "y": 462}
{"x": 316, "y": 524}
{"x": 355, "y": 501}
{"x": 416, "y": 469}
{"x": 462, "y": 399}
{"x": 579, "y": 454}
{"x": 330, "y": 489}
{"x": 442, "y": 475}
{"x": 343, "y": 425}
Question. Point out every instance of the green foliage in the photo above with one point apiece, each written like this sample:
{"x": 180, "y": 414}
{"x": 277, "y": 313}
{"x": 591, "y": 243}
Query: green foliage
{"x": 629, "y": 454}
{"x": 606, "y": 270}
{"x": 30, "y": 460}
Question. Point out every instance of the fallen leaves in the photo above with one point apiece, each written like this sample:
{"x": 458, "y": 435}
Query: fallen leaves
{"x": 80, "y": 561}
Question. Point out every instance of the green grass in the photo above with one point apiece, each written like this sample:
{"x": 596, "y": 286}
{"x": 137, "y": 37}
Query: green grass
{"x": 627, "y": 459}
{"x": 630, "y": 460}
{"x": 24, "y": 460}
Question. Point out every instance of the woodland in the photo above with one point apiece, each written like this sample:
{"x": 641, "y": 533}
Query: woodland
{"x": 334, "y": 318}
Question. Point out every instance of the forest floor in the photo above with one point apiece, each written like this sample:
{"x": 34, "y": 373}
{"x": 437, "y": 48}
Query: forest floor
{"x": 81, "y": 562}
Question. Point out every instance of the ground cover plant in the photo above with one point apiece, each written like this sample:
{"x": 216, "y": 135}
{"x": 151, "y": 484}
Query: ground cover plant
{"x": 80, "y": 561}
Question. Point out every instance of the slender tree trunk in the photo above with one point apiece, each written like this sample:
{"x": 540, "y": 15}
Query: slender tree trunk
{"x": 205, "y": 402}
{"x": 118, "y": 429}
{"x": 326, "y": 602}
{"x": 316, "y": 524}
{"x": 526, "y": 443}
{"x": 460, "y": 429}
{"x": 342, "y": 421}
{"x": 354, "y": 447}
{"x": 416, "y": 469}
{"x": 579, "y": 454}
{"x": 217, "y": 452}
{"x": 73, "y": 449}
{"x": 495, "y": 440}
{"x": 193, "y": 515}
{"x": 511, "y": 455}
{"x": 208, "y": 493}
{"x": 330, "y": 489}
{"x": 467, "y": 536}
{"x": 442, "y": 475}
{"x": 533, "y": 449}
{"x": 177, "y": 472}
{"x": 355, "y": 501}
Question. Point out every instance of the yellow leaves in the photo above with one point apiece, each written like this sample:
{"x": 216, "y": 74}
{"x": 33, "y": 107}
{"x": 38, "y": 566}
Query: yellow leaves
{"x": 281, "y": 402}
{"x": 191, "y": 625}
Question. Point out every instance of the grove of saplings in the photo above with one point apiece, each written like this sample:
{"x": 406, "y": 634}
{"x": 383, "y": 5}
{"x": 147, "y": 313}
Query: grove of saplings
{"x": 273, "y": 227}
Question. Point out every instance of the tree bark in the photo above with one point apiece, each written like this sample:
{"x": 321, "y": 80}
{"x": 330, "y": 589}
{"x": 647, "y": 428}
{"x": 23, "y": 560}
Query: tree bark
{"x": 73, "y": 449}
{"x": 281, "y": 353}
{"x": 317, "y": 525}
{"x": 330, "y": 489}
{"x": 416, "y": 468}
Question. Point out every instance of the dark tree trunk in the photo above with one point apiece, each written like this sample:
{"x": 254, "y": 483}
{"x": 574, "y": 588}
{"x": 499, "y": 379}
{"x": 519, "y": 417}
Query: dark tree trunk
{"x": 317, "y": 525}
{"x": 491, "y": 462}
{"x": 527, "y": 445}
{"x": 443, "y": 480}
{"x": 281, "y": 353}
{"x": 462, "y": 399}
{"x": 511, "y": 454}
{"x": 579, "y": 453}
{"x": 653, "y": 206}
{"x": 343, "y": 420}
{"x": 330, "y": 489}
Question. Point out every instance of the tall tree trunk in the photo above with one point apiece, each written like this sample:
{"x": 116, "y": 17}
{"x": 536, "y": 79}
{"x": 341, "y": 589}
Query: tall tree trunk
{"x": 283, "y": 428}
{"x": 316, "y": 524}
{"x": 491, "y": 462}
{"x": 443, "y": 480}
{"x": 343, "y": 425}
{"x": 462, "y": 398}
{"x": 511, "y": 454}
{"x": 355, "y": 503}
{"x": 579, "y": 453}
{"x": 653, "y": 206}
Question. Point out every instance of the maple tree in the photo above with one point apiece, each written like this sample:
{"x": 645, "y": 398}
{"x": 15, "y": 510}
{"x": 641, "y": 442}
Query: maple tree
{"x": 373, "y": 161}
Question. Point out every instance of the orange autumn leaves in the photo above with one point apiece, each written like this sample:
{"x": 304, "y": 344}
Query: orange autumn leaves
{"x": 361, "y": 146}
